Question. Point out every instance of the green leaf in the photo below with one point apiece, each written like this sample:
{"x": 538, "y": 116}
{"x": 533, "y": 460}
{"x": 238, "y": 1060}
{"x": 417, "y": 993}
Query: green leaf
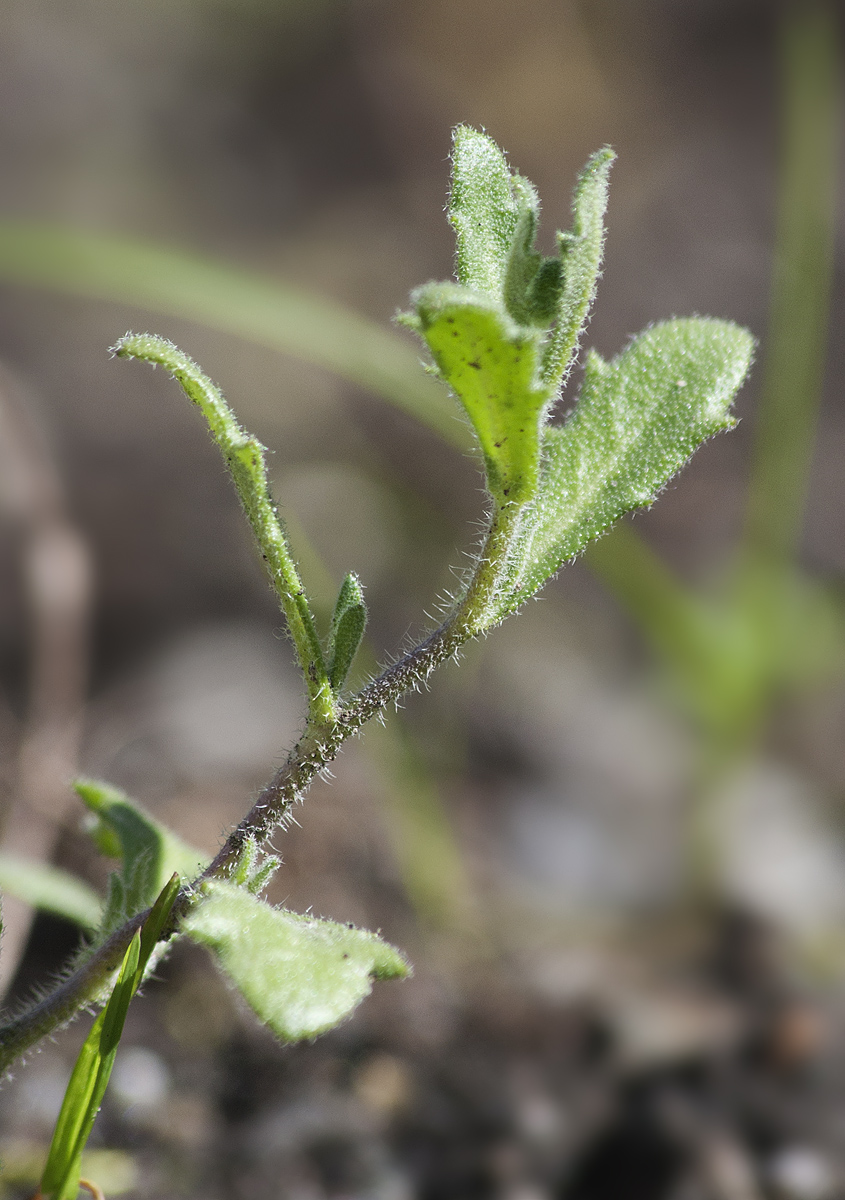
{"x": 244, "y": 456}
{"x": 149, "y": 852}
{"x": 252, "y": 872}
{"x": 638, "y": 420}
{"x": 491, "y": 336}
{"x": 348, "y": 624}
{"x": 495, "y": 216}
{"x": 581, "y": 251}
{"x": 301, "y": 976}
{"x": 491, "y": 364}
{"x": 52, "y": 890}
{"x": 483, "y": 212}
{"x": 524, "y": 262}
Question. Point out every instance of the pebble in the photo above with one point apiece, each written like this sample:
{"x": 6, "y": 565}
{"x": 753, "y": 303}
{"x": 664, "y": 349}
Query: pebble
{"x": 801, "y": 1173}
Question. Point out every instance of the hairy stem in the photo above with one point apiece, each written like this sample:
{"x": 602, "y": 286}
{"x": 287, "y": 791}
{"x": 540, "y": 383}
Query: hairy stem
{"x": 318, "y": 746}
{"x": 86, "y": 986}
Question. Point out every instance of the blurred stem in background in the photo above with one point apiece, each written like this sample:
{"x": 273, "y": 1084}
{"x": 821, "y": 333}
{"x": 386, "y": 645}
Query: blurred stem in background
{"x": 260, "y": 310}
{"x": 776, "y": 610}
{"x": 793, "y": 370}
{"x": 771, "y": 629}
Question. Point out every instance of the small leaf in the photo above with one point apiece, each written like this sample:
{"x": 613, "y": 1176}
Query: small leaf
{"x": 638, "y": 419}
{"x": 581, "y": 251}
{"x": 301, "y": 976}
{"x": 244, "y": 867}
{"x": 543, "y": 295}
{"x": 262, "y": 875}
{"x": 52, "y": 890}
{"x": 116, "y": 909}
{"x": 495, "y": 216}
{"x": 523, "y": 260}
{"x": 149, "y": 852}
{"x": 483, "y": 212}
{"x": 348, "y": 624}
{"x": 248, "y": 872}
{"x": 491, "y": 365}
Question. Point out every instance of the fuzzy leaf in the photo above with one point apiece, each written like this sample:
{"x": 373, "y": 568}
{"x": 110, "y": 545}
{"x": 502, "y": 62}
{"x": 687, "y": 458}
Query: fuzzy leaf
{"x": 348, "y": 624}
{"x": 524, "y": 261}
{"x": 491, "y": 365}
{"x": 638, "y": 419}
{"x": 580, "y": 251}
{"x": 244, "y": 457}
{"x": 149, "y": 852}
{"x": 483, "y": 212}
{"x": 495, "y": 216}
{"x": 301, "y": 976}
{"x": 252, "y": 871}
{"x": 50, "y": 889}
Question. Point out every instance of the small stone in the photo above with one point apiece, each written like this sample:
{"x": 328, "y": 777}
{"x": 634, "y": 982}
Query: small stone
{"x": 140, "y": 1077}
{"x": 801, "y": 1173}
{"x": 383, "y": 1084}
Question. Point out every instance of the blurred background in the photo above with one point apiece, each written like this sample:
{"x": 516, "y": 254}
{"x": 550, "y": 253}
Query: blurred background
{"x": 611, "y": 840}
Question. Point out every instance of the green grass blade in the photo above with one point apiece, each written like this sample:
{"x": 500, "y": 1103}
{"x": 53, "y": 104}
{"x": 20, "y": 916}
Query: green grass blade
{"x": 51, "y": 890}
{"x": 671, "y": 616}
{"x": 93, "y": 1067}
{"x": 72, "y": 1116}
{"x": 697, "y": 640}
{"x": 98, "y": 1067}
{"x": 795, "y": 351}
{"x": 155, "y": 924}
{"x": 247, "y": 305}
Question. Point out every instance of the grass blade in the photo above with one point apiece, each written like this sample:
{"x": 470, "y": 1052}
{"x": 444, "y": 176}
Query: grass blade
{"x": 93, "y": 1067}
{"x": 795, "y": 355}
{"x": 260, "y": 310}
